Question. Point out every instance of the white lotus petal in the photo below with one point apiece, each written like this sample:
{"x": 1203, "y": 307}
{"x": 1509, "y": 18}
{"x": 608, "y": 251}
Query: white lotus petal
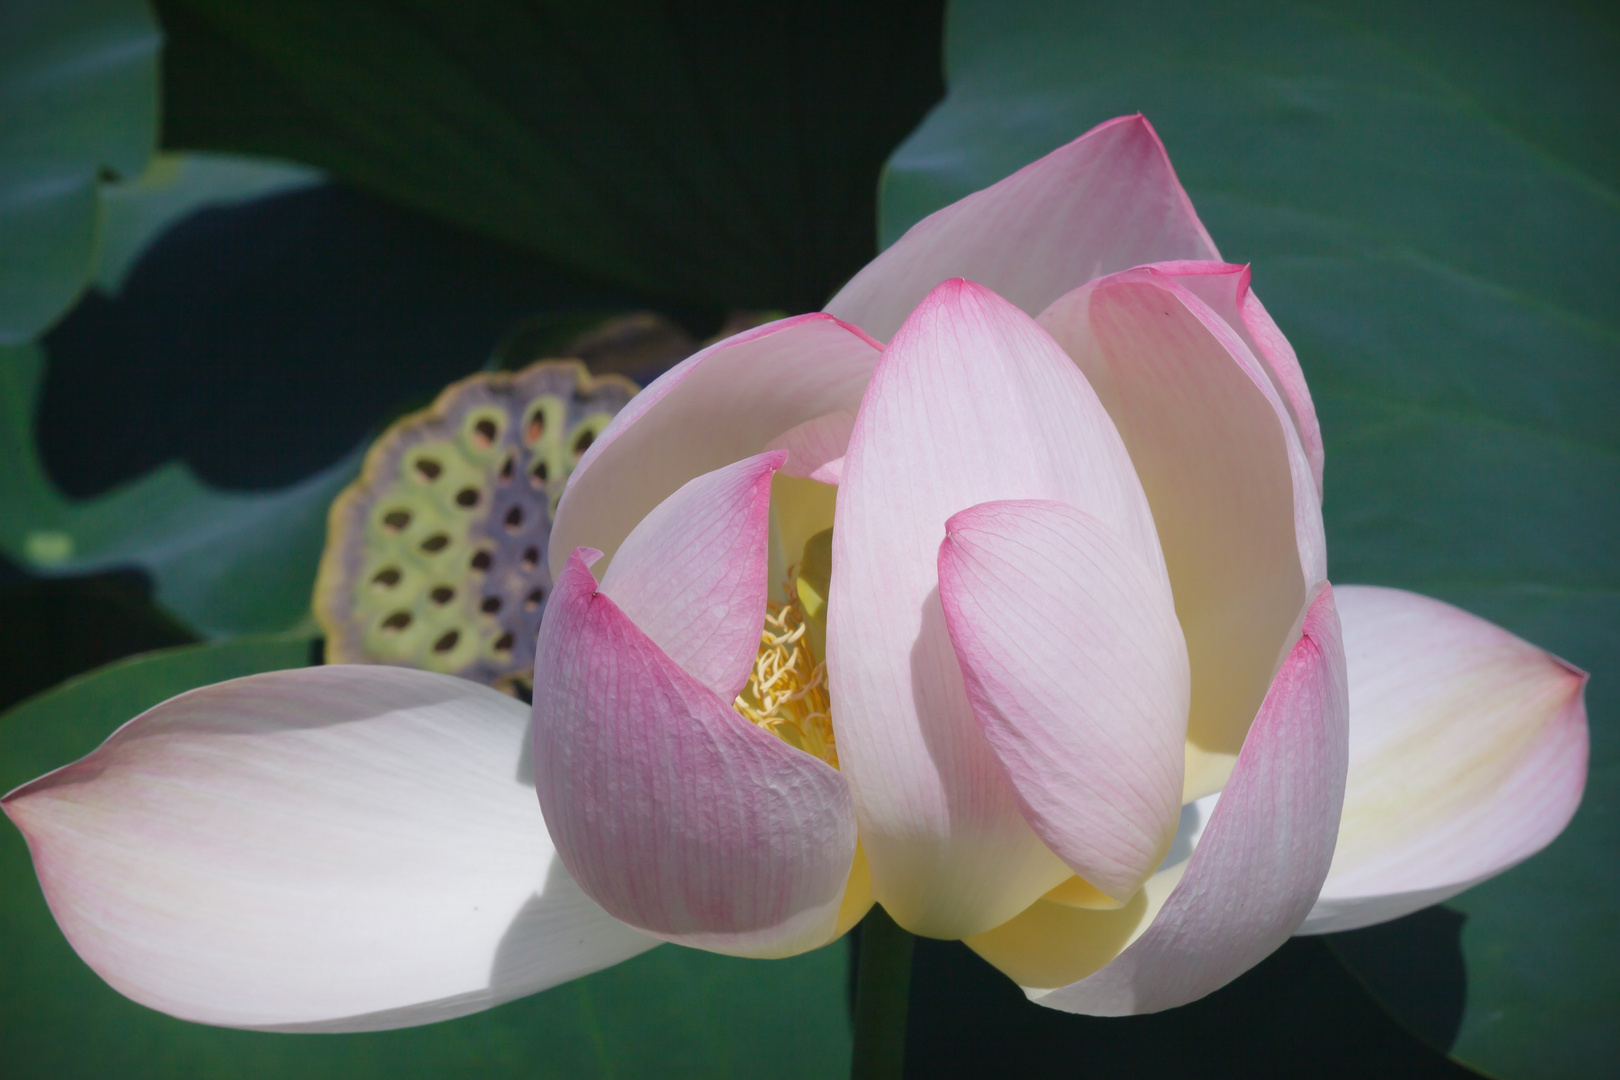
{"x": 1468, "y": 751}
{"x": 335, "y": 849}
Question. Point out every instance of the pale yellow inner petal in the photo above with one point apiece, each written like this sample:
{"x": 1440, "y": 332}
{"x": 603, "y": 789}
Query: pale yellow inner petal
{"x": 799, "y": 509}
{"x": 857, "y": 894}
{"x": 1460, "y": 736}
{"x": 1048, "y": 945}
{"x": 1077, "y": 892}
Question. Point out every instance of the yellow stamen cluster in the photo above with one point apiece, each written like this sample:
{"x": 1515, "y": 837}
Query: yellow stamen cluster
{"x": 787, "y": 690}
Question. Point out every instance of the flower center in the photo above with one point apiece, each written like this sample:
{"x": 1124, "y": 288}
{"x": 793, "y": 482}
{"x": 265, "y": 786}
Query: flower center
{"x": 787, "y": 690}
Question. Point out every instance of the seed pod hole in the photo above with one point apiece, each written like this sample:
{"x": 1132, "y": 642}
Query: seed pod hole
{"x": 491, "y": 605}
{"x": 428, "y": 469}
{"x": 467, "y": 498}
{"x": 442, "y": 594}
{"x": 483, "y": 433}
{"x": 435, "y": 543}
{"x": 505, "y": 642}
{"x": 396, "y": 622}
{"x": 387, "y": 577}
{"x": 534, "y": 599}
{"x": 396, "y": 520}
{"x": 447, "y": 641}
{"x": 482, "y": 561}
{"x": 514, "y": 519}
{"x": 531, "y": 558}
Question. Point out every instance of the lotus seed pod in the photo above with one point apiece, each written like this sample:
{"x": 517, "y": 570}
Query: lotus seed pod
{"x": 436, "y": 555}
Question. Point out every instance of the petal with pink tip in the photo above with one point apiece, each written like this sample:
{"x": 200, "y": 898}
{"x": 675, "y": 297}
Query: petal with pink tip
{"x": 1077, "y": 673}
{"x": 816, "y": 447}
{"x": 671, "y": 810}
{"x": 715, "y": 407}
{"x": 692, "y": 575}
{"x": 1225, "y": 288}
{"x": 1107, "y": 201}
{"x": 1253, "y": 875}
{"x": 1229, "y": 482}
{"x": 1468, "y": 751}
{"x": 334, "y": 849}
{"x": 971, "y": 403}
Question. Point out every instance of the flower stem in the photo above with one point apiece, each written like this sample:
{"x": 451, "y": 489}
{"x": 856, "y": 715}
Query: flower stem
{"x": 882, "y": 986}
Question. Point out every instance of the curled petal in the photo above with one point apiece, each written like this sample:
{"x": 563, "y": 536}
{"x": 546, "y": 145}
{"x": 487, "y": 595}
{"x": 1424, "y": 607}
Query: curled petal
{"x": 334, "y": 849}
{"x": 1107, "y": 201}
{"x": 671, "y": 810}
{"x": 1249, "y": 882}
{"x": 1077, "y": 673}
{"x": 1227, "y": 477}
{"x": 1053, "y": 942}
{"x": 1468, "y": 750}
{"x": 816, "y": 447}
{"x": 971, "y": 403}
{"x": 715, "y": 407}
{"x": 1225, "y": 288}
{"x": 692, "y": 575}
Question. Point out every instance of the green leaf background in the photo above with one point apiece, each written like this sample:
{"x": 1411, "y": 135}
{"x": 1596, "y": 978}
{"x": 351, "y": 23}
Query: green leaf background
{"x": 615, "y": 138}
{"x": 224, "y": 562}
{"x": 175, "y": 186}
{"x": 79, "y": 94}
{"x": 81, "y": 196}
{"x": 1430, "y": 198}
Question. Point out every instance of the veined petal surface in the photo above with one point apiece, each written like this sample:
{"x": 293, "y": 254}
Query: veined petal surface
{"x": 1468, "y": 751}
{"x": 691, "y": 575}
{"x": 1105, "y": 202}
{"x": 1225, "y": 288}
{"x": 1249, "y": 882}
{"x": 331, "y": 849}
{"x": 671, "y": 810}
{"x": 816, "y": 447}
{"x": 971, "y": 403}
{"x": 715, "y": 407}
{"x": 1077, "y": 672}
{"x": 1229, "y": 482}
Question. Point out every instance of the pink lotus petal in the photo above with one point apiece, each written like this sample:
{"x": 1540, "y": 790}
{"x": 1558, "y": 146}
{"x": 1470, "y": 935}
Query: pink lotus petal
{"x": 1230, "y": 485}
{"x": 816, "y": 447}
{"x": 1468, "y": 751}
{"x": 691, "y": 576}
{"x": 1107, "y": 201}
{"x": 1077, "y": 673}
{"x": 671, "y": 810}
{"x": 971, "y": 403}
{"x": 715, "y": 407}
{"x": 1225, "y": 288}
{"x": 1254, "y": 873}
{"x": 335, "y": 849}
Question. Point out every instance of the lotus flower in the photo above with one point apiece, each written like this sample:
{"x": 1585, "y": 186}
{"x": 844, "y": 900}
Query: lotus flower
{"x": 1018, "y": 625}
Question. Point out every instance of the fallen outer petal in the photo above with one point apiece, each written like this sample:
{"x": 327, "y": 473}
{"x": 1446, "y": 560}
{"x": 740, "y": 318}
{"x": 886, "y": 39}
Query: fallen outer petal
{"x": 1468, "y": 754}
{"x": 332, "y": 849}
